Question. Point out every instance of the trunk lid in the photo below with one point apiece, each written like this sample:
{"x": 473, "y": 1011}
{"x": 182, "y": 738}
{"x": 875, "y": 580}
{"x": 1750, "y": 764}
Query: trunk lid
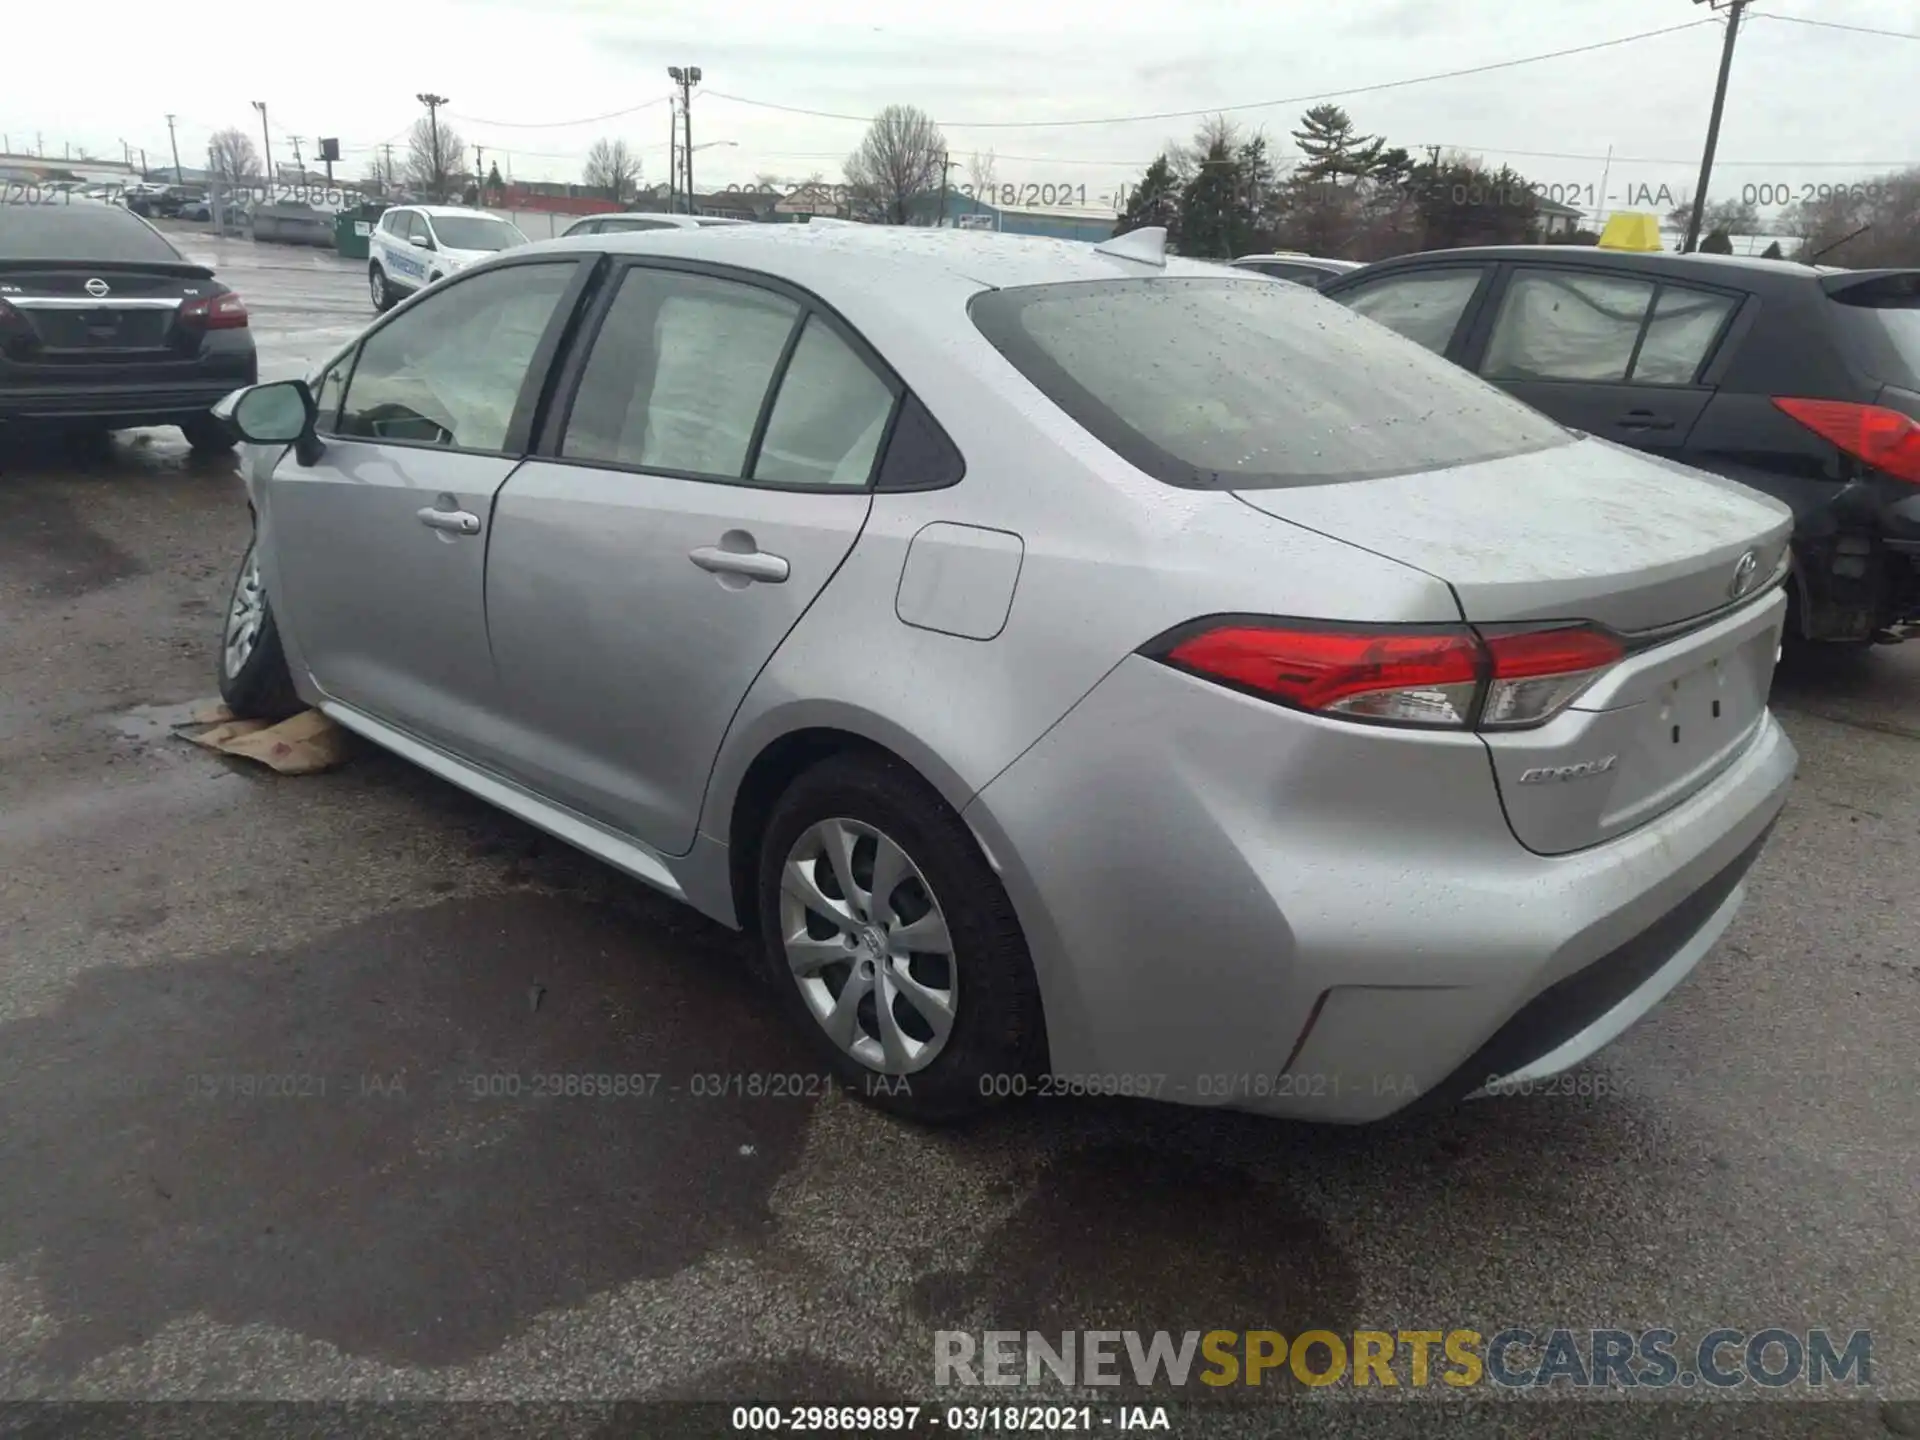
{"x": 1587, "y": 531}
{"x": 1592, "y": 531}
{"x": 93, "y": 312}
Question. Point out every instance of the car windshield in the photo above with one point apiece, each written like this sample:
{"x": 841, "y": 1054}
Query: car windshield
{"x": 79, "y": 230}
{"x": 476, "y": 232}
{"x": 1242, "y": 384}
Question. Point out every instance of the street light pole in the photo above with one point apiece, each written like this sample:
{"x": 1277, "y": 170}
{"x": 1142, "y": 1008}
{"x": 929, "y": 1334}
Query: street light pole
{"x": 686, "y": 77}
{"x": 673, "y": 154}
{"x": 173, "y": 140}
{"x": 1735, "y": 8}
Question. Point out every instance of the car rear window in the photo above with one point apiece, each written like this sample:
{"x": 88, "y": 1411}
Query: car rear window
{"x": 1243, "y": 384}
{"x": 476, "y": 232}
{"x": 1884, "y": 314}
{"x": 79, "y": 230}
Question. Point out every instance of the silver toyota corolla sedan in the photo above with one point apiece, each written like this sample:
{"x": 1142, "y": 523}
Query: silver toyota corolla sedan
{"x": 1080, "y": 670}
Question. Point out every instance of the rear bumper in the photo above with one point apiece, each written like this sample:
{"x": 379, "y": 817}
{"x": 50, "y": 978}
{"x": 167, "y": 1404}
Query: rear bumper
{"x": 1265, "y": 911}
{"x": 116, "y": 406}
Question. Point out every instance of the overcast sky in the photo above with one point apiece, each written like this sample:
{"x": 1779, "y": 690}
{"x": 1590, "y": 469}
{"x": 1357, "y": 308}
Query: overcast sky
{"x": 1802, "y": 97}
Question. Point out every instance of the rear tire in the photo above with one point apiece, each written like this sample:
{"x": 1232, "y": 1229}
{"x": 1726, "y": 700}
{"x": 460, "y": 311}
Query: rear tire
{"x": 966, "y": 1023}
{"x": 254, "y": 679}
{"x": 379, "y": 289}
{"x": 207, "y": 435}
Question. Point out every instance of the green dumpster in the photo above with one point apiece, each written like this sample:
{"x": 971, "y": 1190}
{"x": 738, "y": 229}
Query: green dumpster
{"x": 351, "y": 229}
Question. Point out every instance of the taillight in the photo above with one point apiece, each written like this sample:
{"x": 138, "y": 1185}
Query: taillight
{"x": 1445, "y": 676}
{"x": 1873, "y": 434}
{"x": 215, "y": 312}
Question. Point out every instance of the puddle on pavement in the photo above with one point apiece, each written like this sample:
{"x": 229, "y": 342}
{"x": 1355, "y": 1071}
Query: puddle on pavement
{"x": 147, "y": 724}
{"x": 407, "y": 1138}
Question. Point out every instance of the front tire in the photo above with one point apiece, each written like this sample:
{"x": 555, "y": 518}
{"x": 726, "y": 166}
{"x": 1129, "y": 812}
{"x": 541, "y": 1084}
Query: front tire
{"x": 206, "y": 435}
{"x": 893, "y": 943}
{"x": 254, "y": 679}
{"x": 379, "y": 289}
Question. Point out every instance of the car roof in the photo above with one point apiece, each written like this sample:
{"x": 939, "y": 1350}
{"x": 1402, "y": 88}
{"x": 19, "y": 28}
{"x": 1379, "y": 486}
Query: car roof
{"x": 1296, "y": 257}
{"x": 437, "y": 212}
{"x": 1697, "y": 265}
{"x": 987, "y": 259}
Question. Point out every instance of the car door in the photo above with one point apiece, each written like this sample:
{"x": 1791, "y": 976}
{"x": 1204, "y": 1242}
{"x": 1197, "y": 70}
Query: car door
{"x": 1432, "y": 305}
{"x": 379, "y": 548}
{"x": 1612, "y": 353}
{"x": 707, "y": 476}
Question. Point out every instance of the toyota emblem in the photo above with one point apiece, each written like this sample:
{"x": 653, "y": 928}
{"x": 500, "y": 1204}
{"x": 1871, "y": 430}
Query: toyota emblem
{"x": 1743, "y": 574}
{"x": 96, "y": 287}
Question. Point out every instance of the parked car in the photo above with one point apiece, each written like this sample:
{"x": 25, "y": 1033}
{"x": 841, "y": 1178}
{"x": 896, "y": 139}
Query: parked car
{"x": 104, "y": 325}
{"x": 1272, "y": 726}
{"x": 1801, "y": 381}
{"x": 1312, "y": 270}
{"x": 644, "y": 220}
{"x": 415, "y": 245}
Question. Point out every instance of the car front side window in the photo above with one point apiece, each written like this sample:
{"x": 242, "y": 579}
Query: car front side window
{"x": 1425, "y": 306}
{"x": 450, "y": 370}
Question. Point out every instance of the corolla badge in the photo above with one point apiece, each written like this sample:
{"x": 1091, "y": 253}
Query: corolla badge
{"x": 1743, "y": 574}
{"x": 97, "y": 287}
{"x": 1585, "y": 770}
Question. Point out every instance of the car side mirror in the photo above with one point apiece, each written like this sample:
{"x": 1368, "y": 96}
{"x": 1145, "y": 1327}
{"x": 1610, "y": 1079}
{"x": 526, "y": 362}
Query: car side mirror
{"x": 279, "y": 413}
{"x": 420, "y": 242}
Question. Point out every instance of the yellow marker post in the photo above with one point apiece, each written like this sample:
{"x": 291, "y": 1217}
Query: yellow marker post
{"x": 1631, "y": 232}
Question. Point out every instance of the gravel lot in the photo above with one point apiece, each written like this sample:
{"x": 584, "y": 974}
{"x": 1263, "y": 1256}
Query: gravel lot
{"x": 169, "y": 914}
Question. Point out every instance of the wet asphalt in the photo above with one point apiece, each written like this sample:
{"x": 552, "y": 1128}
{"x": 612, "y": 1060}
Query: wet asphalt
{"x": 173, "y": 922}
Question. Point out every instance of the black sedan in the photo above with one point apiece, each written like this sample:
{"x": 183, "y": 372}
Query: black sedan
{"x": 1800, "y": 381}
{"x": 104, "y": 325}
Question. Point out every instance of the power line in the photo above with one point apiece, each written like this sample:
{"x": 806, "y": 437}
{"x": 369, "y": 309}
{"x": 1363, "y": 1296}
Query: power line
{"x": 557, "y": 124}
{"x": 1251, "y": 105}
{"x": 1835, "y": 25}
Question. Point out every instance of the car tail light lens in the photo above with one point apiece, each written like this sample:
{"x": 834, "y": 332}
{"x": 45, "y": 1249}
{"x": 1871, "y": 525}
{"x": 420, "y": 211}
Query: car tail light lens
{"x": 215, "y": 312}
{"x": 1449, "y": 677}
{"x": 1873, "y": 434}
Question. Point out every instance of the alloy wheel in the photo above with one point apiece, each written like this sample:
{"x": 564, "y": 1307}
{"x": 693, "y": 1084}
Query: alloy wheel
{"x": 377, "y": 283}
{"x": 868, "y": 945}
{"x": 245, "y": 615}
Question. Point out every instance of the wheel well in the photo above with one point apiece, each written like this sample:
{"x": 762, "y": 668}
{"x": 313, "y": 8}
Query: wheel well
{"x": 766, "y": 780}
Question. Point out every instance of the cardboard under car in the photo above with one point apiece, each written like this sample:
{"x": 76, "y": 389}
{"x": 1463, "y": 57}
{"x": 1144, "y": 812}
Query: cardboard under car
{"x": 303, "y": 745}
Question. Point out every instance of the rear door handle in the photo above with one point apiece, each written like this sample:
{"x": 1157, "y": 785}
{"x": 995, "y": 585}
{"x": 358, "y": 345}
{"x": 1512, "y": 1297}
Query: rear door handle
{"x": 455, "y": 522}
{"x": 1643, "y": 420}
{"x": 754, "y": 565}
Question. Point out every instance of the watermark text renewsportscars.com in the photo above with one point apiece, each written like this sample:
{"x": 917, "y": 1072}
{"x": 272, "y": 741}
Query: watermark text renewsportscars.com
{"x": 1513, "y": 1358}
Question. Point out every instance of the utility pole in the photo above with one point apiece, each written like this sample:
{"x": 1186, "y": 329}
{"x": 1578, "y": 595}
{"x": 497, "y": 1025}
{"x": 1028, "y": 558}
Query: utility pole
{"x": 673, "y": 154}
{"x": 298, "y": 163}
{"x": 266, "y": 141}
{"x": 433, "y": 103}
{"x": 386, "y": 175}
{"x": 1735, "y": 8}
{"x": 686, "y": 77}
{"x": 947, "y": 162}
{"x": 480, "y": 174}
{"x": 174, "y": 141}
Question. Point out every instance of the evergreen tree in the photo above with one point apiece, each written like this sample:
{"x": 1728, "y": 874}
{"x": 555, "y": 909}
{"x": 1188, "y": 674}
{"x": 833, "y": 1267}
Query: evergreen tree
{"x": 1333, "y": 147}
{"x": 1154, "y": 201}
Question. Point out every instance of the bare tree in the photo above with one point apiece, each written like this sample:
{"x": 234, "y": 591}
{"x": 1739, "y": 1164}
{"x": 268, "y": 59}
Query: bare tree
{"x": 231, "y": 157}
{"x": 981, "y": 174}
{"x": 902, "y": 159}
{"x": 613, "y": 167}
{"x": 436, "y": 156}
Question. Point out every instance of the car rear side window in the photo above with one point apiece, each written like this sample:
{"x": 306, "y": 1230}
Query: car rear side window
{"x": 83, "y": 231}
{"x": 1559, "y": 325}
{"x": 1680, "y": 335}
{"x": 1881, "y": 315}
{"x": 1242, "y": 384}
{"x": 1424, "y": 306}
{"x": 678, "y": 374}
{"x": 828, "y": 419}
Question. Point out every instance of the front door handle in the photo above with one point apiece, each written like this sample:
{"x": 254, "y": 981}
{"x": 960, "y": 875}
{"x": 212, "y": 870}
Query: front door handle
{"x": 455, "y": 522}
{"x": 1643, "y": 420}
{"x": 753, "y": 565}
